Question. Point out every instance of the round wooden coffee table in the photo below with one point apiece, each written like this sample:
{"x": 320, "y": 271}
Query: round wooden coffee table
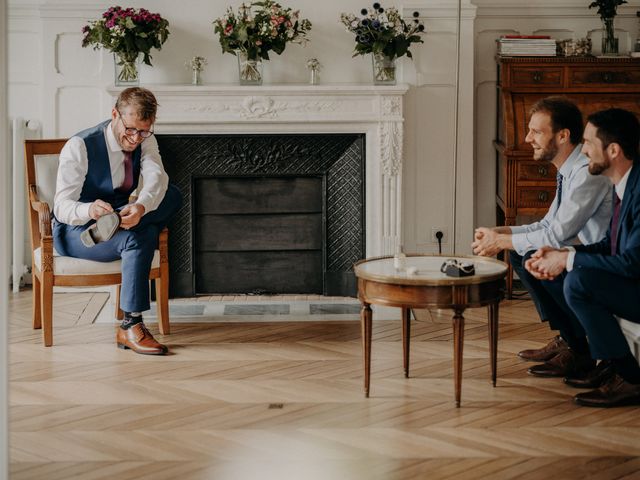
{"x": 380, "y": 283}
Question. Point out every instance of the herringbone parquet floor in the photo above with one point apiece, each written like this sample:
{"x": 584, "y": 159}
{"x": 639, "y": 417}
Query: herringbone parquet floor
{"x": 284, "y": 401}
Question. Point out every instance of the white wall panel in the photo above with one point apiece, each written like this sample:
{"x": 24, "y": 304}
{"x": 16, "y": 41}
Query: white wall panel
{"x": 77, "y": 108}
{"x": 72, "y": 61}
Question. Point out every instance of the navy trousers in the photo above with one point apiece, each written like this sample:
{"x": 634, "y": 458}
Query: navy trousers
{"x": 542, "y": 293}
{"x": 595, "y": 297}
{"x": 135, "y": 247}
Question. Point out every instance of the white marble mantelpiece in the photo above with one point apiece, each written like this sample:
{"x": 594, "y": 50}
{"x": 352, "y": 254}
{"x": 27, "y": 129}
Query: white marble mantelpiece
{"x": 376, "y": 111}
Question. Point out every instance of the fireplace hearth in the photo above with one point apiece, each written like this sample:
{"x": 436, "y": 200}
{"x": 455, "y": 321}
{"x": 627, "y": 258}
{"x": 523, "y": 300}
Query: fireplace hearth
{"x": 304, "y": 242}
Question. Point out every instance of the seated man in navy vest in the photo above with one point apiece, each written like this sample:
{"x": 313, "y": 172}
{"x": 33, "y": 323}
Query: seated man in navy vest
{"x": 99, "y": 169}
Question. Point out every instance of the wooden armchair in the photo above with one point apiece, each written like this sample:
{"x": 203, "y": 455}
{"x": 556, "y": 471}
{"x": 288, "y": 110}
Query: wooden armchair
{"x": 51, "y": 269}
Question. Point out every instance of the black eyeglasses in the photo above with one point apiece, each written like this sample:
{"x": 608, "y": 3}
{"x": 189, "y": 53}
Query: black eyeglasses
{"x": 132, "y": 132}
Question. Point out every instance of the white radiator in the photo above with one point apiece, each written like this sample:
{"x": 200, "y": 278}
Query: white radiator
{"x": 21, "y": 130}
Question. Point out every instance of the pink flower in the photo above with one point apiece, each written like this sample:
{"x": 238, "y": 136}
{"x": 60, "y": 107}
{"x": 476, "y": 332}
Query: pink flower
{"x": 228, "y": 29}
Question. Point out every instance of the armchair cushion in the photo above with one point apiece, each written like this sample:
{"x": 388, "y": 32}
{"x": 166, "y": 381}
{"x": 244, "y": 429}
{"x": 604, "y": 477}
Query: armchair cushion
{"x": 78, "y": 266}
{"x": 46, "y": 169}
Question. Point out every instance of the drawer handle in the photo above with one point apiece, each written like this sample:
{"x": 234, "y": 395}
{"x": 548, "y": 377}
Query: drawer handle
{"x": 537, "y": 76}
{"x": 607, "y": 77}
{"x": 543, "y": 196}
{"x": 543, "y": 171}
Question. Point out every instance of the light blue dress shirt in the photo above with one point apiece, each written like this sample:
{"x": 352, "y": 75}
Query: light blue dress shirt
{"x": 582, "y": 217}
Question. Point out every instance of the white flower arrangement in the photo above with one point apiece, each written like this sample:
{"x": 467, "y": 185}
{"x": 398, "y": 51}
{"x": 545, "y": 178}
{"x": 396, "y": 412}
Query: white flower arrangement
{"x": 197, "y": 63}
{"x": 313, "y": 64}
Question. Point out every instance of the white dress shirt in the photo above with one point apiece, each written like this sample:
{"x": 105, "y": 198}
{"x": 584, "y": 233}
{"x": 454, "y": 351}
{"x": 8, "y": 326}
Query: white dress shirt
{"x": 72, "y": 171}
{"x": 583, "y": 214}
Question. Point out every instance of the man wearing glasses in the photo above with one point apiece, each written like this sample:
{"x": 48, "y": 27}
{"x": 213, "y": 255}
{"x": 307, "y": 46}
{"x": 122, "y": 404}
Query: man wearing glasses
{"x": 99, "y": 169}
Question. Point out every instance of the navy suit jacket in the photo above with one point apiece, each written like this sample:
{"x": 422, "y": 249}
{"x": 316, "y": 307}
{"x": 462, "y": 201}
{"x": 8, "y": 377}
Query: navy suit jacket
{"x": 626, "y": 262}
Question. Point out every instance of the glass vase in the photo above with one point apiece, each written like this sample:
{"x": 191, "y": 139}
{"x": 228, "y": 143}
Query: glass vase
{"x": 196, "y": 78}
{"x": 249, "y": 70}
{"x": 127, "y": 70}
{"x": 609, "y": 40}
{"x": 384, "y": 69}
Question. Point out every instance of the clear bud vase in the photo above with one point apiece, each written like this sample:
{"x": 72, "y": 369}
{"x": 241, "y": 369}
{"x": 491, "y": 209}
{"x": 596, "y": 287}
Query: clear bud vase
{"x": 196, "y": 78}
{"x": 313, "y": 80}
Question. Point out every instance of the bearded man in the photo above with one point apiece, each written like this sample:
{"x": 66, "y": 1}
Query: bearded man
{"x": 579, "y": 214}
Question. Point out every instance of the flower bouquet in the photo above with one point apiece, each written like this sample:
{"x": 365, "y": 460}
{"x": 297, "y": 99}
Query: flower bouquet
{"x": 256, "y": 29}
{"x": 127, "y": 32}
{"x": 386, "y": 35}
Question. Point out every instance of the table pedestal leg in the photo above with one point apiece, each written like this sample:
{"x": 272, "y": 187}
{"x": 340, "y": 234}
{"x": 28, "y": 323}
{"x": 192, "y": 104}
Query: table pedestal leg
{"x": 406, "y": 338}
{"x": 493, "y": 340}
{"x": 365, "y": 323}
{"x": 458, "y": 342}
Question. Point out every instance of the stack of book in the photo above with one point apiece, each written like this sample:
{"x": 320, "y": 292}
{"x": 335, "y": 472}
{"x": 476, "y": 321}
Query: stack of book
{"x": 526, "y": 45}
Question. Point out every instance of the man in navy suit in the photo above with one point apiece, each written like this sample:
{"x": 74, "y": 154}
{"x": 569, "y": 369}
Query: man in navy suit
{"x": 99, "y": 169}
{"x": 602, "y": 280}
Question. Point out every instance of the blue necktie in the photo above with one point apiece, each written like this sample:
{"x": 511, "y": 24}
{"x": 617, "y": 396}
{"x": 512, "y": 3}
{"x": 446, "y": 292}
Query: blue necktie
{"x": 559, "y": 192}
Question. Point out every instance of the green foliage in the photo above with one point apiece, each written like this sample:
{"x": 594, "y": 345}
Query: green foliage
{"x": 607, "y": 8}
{"x": 127, "y": 32}
{"x": 260, "y": 27}
{"x": 383, "y": 31}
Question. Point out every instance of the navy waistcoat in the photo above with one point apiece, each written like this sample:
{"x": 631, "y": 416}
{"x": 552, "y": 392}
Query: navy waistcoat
{"x": 98, "y": 183}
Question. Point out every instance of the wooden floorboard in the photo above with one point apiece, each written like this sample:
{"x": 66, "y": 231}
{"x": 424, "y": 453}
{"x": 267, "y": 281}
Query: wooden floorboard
{"x": 284, "y": 400}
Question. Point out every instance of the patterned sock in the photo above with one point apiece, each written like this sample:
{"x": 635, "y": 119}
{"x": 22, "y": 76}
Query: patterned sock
{"x": 130, "y": 319}
{"x": 627, "y": 367}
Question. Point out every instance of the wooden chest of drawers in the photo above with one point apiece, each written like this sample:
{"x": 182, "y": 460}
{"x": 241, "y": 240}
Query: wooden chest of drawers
{"x": 527, "y": 187}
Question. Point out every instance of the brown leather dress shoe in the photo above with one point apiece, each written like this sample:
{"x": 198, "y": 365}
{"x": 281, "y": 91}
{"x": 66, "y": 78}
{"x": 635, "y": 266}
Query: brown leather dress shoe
{"x": 140, "y": 340}
{"x": 565, "y": 364}
{"x": 615, "y": 393}
{"x": 545, "y": 353}
{"x": 595, "y": 378}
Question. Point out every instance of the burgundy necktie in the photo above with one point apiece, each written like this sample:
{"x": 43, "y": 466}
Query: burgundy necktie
{"x": 128, "y": 172}
{"x": 614, "y": 223}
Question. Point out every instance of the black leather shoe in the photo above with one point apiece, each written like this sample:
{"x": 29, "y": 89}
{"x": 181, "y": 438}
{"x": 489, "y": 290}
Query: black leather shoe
{"x": 593, "y": 379}
{"x": 545, "y": 353}
{"x": 615, "y": 393}
{"x": 565, "y": 364}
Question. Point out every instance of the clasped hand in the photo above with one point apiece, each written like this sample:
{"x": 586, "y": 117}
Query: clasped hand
{"x": 547, "y": 263}
{"x": 485, "y": 242}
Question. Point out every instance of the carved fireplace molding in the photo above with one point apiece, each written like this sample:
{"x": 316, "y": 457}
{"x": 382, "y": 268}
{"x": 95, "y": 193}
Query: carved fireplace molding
{"x": 375, "y": 111}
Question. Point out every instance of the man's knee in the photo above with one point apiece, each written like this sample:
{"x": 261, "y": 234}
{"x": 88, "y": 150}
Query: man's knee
{"x": 515, "y": 258}
{"x": 144, "y": 239}
{"x": 578, "y": 283}
{"x": 172, "y": 198}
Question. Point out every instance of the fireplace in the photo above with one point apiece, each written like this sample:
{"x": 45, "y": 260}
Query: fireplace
{"x": 266, "y": 213}
{"x": 372, "y": 114}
